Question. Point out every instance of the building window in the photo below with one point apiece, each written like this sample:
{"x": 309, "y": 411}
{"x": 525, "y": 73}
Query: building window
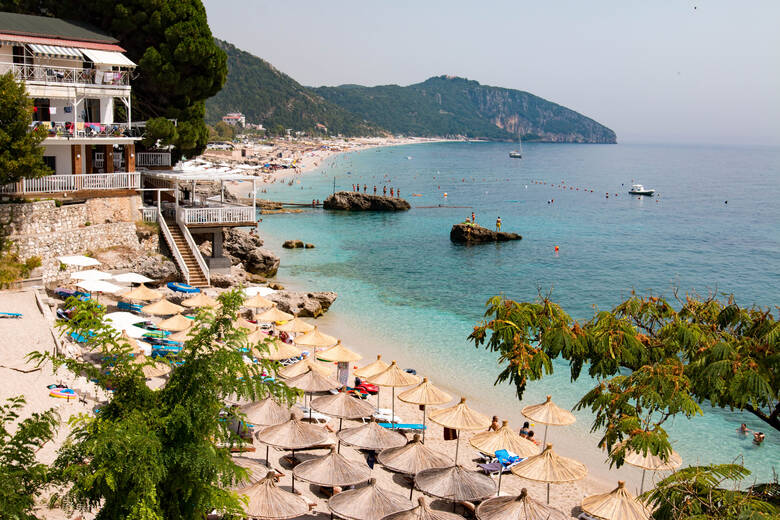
{"x": 51, "y": 162}
{"x": 91, "y": 112}
{"x": 41, "y": 110}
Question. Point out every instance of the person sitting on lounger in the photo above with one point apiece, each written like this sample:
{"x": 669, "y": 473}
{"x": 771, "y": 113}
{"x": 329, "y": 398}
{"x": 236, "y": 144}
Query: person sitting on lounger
{"x": 494, "y": 425}
{"x": 530, "y": 437}
{"x": 524, "y": 430}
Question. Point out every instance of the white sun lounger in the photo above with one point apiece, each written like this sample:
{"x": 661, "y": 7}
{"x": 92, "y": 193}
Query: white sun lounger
{"x": 319, "y": 418}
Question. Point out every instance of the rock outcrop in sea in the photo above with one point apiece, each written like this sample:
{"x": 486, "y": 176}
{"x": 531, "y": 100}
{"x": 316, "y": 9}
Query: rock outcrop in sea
{"x": 246, "y": 249}
{"x": 304, "y": 304}
{"x": 354, "y": 201}
{"x": 297, "y": 244}
{"x": 466, "y": 233}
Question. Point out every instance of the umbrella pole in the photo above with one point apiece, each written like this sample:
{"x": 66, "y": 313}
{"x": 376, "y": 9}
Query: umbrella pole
{"x": 642, "y": 486}
{"x": 338, "y": 445}
{"x": 548, "y": 493}
{"x": 268, "y": 462}
{"x": 292, "y": 462}
{"x": 392, "y": 419}
{"x": 500, "y": 472}
{"x": 425, "y": 408}
{"x": 457, "y": 446}
{"x": 411, "y": 490}
{"x": 544, "y": 443}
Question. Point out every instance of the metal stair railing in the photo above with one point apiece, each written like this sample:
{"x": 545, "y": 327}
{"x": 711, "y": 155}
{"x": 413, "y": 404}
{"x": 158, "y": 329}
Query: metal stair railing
{"x": 193, "y": 247}
{"x": 174, "y": 249}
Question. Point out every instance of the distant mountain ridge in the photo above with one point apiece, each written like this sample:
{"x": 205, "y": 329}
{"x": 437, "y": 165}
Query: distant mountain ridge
{"x": 442, "y": 106}
{"x": 447, "y": 105}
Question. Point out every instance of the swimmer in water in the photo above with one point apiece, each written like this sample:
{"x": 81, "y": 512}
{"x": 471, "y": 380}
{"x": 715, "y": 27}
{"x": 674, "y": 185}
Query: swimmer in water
{"x": 743, "y": 429}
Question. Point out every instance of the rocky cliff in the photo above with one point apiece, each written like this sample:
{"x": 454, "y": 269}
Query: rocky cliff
{"x": 354, "y": 201}
{"x": 475, "y": 234}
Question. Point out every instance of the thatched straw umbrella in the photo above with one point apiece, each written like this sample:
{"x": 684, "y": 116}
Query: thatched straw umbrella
{"x": 460, "y": 417}
{"x": 455, "y": 484}
{"x": 273, "y": 315}
{"x": 505, "y": 438}
{"x": 649, "y": 462}
{"x": 266, "y": 501}
{"x": 367, "y": 503}
{"x": 618, "y": 504}
{"x": 295, "y": 325}
{"x": 412, "y": 459}
{"x": 243, "y": 323}
{"x": 371, "y": 436}
{"x": 294, "y": 435}
{"x": 342, "y": 405}
{"x": 423, "y": 512}
{"x": 176, "y": 323}
{"x": 154, "y": 369}
{"x": 310, "y": 382}
{"x": 200, "y": 300}
{"x": 255, "y": 472}
{"x": 343, "y": 356}
{"x": 521, "y": 507}
{"x": 142, "y": 294}
{"x": 181, "y": 336}
{"x": 315, "y": 339}
{"x": 277, "y": 349}
{"x": 332, "y": 470}
{"x": 549, "y": 414}
{"x": 425, "y": 394}
{"x": 162, "y": 308}
{"x": 266, "y": 412}
{"x": 372, "y": 368}
{"x": 258, "y": 302}
{"x": 132, "y": 343}
{"x": 393, "y": 377}
{"x": 307, "y": 363}
{"x": 551, "y": 468}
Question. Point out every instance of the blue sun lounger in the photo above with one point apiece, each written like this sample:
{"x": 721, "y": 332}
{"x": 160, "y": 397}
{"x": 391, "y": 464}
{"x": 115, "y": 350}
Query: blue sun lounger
{"x": 10, "y": 315}
{"x": 130, "y": 307}
{"x": 402, "y": 426}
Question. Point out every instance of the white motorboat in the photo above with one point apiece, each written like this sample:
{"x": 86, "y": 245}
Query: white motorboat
{"x": 515, "y": 155}
{"x": 638, "y": 189}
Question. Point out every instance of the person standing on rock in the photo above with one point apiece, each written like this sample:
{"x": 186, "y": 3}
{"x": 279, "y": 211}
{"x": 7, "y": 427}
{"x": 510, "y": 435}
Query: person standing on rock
{"x": 498, "y": 224}
{"x": 391, "y": 192}
{"x": 473, "y": 218}
{"x": 374, "y": 189}
{"x": 398, "y": 193}
{"x": 365, "y": 188}
{"x": 384, "y": 191}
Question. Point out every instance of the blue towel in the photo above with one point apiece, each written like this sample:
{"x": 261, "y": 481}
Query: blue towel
{"x": 402, "y": 426}
{"x": 505, "y": 458}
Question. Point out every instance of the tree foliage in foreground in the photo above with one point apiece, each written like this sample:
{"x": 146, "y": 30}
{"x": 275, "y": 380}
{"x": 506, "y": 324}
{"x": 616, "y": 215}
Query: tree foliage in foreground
{"x": 161, "y": 453}
{"x": 21, "y": 476}
{"x": 21, "y": 156}
{"x": 700, "y": 493}
{"x": 650, "y": 361}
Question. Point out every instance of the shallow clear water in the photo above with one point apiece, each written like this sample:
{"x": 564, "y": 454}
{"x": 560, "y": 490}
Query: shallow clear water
{"x": 406, "y": 290}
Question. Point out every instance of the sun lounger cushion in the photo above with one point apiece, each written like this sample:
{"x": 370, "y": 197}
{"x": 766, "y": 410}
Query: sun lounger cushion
{"x": 492, "y": 468}
{"x": 10, "y": 315}
{"x": 402, "y": 426}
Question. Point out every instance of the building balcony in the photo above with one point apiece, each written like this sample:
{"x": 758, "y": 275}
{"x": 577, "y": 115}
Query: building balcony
{"x": 68, "y": 76}
{"x": 81, "y": 130}
{"x": 74, "y": 183}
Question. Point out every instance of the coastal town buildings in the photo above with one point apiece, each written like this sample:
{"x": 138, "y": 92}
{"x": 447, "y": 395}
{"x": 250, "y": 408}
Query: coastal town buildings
{"x": 234, "y": 119}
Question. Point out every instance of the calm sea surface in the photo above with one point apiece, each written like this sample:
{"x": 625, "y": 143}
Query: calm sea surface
{"x": 406, "y": 290}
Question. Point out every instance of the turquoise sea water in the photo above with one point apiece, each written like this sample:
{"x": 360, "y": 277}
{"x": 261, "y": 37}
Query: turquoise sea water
{"x": 407, "y": 291}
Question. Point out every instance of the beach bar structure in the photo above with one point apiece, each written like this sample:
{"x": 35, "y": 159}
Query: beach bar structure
{"x": 76, "y": 76}
{"x": 183, "y": 210}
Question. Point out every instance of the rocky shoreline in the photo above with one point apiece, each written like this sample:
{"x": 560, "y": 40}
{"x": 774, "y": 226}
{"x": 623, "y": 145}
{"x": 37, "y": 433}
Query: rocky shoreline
{"x": 355, "y": 201}
{"x": 468, "y": 233}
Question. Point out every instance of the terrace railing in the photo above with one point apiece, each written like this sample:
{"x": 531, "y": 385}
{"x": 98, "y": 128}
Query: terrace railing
{"x": 153, "y": 159}
{"x": 149, "y": 214}
{"x": 218, "y": 215}
{"x": 56, "y": 75}
{"x": 72, "y": 183}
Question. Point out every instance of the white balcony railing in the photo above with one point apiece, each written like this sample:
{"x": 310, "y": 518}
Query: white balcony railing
{"x": 219, "y": 215}
{"x": 69, "y": 130}
{"x": 147, "y": 159}
{"x": 71, "y": 183}
{"x": 149, "y": 214}
{"x": 54, "y": 75}
{"x": 100, "y": 160}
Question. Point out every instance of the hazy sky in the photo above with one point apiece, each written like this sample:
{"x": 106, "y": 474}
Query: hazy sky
{"x": 663, "y": 71}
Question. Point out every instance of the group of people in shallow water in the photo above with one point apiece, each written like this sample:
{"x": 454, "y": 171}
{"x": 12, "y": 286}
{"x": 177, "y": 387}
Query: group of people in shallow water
{"x": 758, "y": 437}
{"x": 394, "y": 192}
{"x": 525, "y": 432}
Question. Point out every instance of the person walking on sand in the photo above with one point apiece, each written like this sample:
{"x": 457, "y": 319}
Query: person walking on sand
{"x": 498, "y": 224}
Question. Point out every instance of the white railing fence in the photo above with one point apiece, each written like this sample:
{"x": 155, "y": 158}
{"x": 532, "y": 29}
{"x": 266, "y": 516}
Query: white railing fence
{"x": 149, "y": 214}
{"x": 153, "y": 159}
{"x": 192, "y": 245}
{"x": 65, "y": 75}
{"x": 220, "y": 215}
{"x": 66, "y": 183}
{"x": 185, "y": 272}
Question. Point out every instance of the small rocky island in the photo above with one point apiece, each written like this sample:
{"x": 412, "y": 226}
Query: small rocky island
{"x": 468, "y": 233}
{"x": 354, "y": 201}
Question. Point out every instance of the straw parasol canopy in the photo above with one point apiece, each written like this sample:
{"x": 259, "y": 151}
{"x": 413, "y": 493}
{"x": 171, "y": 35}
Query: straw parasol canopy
{"x": 413, "y": 458}
{"x": 142, "y": 294}
{"x": 266, "y": 412}
{"x": 649, "y": 462}
{"x": 155, "y": 369}
{"x": 293, "y": 435}
{"x": 521, "y": 507}
{"x": 551, "y": 468}
{"x": 340, "y": 353}
{"x": 423, "y": 512}
{"x": 618, "y": 504}
{"x": 176, "y": 323}
{"x": 305, "y": 364}
{"x": 455, "y": 484}
{"x": 343, "y": 405}
{"x": 371, "y": 436}
{"x": 368, "y": 503}
{"x": 311, "y": 381}
{"x": 133, "y": 344}
{"x": 243, "y": 323}
{"x": 332, "y": 470}
{"x": 267, "y": 501}
{"x": 295, "y": 325}
{"x": 181, "y": 336}
{"x": 372, "y": 368}
{"x": 549, "y": 414}
{"x": 394, "y": 376}
{"x": 505, "y": 438}
{"x": 426, "y": 393}
{"x": 162, "y": 308}
{"x": 200, "y": 300}
{"x": 277, "y": 350}
{"x": 460, "y": 417}
{"x": 273, "y": 314}
{"x": 255, "y": 472}
{"x": 258, "y": 302}
{"x": 315, "y": 338}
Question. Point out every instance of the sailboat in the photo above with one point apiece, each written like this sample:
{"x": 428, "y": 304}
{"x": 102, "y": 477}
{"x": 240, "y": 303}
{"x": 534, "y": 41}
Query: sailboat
{"x": 517, "y": 154}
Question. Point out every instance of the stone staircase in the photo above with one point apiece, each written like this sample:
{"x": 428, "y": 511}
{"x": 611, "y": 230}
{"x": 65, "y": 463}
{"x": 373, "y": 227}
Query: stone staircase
{"x": 197, "y": 277}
